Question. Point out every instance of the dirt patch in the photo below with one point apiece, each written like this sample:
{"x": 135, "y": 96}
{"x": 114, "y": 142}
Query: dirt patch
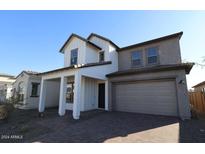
{"x": 98, "y": 126}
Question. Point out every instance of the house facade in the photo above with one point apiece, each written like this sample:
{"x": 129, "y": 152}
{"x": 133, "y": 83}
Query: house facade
{"x": 199, "y": 87}
{"x": 6, "y": 86}
{"x": 146, "y": 77}
{"x": 26, "y": 90}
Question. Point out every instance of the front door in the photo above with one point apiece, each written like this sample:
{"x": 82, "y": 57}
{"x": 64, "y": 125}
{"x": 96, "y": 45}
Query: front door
{"x": 101, "y": 95}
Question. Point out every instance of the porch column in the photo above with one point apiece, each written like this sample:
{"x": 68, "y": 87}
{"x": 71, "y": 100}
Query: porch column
{"x": 41, "y": 105}
{"x": 77, "y": 96}
{"x": 62, "y": 98}
{"x": 106, "y": 95}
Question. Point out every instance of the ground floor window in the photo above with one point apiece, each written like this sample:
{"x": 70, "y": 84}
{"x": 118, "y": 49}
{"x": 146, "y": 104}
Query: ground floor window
{"x": 20, "y": 95}
{"x": 34, "y": 90}
{"x": 70, "y": 92}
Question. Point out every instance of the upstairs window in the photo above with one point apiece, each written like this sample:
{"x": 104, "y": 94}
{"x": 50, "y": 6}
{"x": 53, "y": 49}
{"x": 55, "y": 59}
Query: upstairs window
{"x": 101, "y": 56}
{"x": 74, "y": 57}
{"x": 34, "y": 90}
{"x": 152, "y": 55}
{"x": 136, "y": 58}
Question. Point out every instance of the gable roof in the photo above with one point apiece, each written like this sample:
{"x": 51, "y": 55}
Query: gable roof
{"x": 81, "y": 38}
{"x": 28, "y": 73}
{"x": 77, "y": 66}
{"x": 199, "y": 84}
{"x": 103, "y": 38}
{"x": 175, "y": 35}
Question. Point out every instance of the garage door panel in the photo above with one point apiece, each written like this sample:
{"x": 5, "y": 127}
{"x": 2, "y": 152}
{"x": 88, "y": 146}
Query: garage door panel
{"x": 158, "y": 97}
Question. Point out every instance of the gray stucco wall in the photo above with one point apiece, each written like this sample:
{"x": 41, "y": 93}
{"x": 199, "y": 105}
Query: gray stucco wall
{"x": 169, "y": 53}
{"x": 181, "y": 88}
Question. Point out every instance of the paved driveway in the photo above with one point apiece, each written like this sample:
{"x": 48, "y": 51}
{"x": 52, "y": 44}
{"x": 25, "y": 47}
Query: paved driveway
{"x": 101, "y": 126}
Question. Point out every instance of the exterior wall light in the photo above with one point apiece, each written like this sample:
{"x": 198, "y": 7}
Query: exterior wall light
{"x": 181, "y": 82}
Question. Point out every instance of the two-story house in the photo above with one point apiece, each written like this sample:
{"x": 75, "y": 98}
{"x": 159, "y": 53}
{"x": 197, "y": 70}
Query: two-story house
{"x": 144, "y": 78}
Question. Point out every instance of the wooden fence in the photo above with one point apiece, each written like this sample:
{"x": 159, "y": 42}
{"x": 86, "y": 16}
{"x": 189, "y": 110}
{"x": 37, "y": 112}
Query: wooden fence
{"x": 197, "y": 101}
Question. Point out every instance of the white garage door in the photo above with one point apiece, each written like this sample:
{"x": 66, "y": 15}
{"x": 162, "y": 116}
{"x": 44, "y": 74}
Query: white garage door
{"x": 151, "y": 97}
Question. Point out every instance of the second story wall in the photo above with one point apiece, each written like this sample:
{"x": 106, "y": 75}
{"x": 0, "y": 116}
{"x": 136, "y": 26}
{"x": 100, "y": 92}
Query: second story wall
{"x": 103, "y": 44}
{"x": 110, "y": 53}
{"x": 75, "y": 43}
{"x": 168, "y": 53}
{"x": 91, "y": 55}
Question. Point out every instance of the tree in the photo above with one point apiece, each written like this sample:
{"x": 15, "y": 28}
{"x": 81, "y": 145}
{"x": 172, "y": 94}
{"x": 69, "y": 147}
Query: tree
{"x": 200, "y": 64}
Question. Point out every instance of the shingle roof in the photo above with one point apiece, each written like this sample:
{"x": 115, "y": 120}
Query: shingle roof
{"x": 29, "y": 72}
{"x": 81, "y": 38}
{"x": 186, "y": 66}
{"x": 199, "y": 84}
{"x": 103, "y": 38}
{"x": 152, "y": 41}
{"x": 77, "y": 66}
{"x": 6, "y": 75}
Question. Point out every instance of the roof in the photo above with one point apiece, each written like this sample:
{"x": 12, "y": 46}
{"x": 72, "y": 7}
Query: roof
{"x": 76, "y": 67}
{"x": 152, "y": 41}
{"x": 103, "y": 38}
{"x": 28, "y": 73}
{"x": 186, "y": 66}
{"x": 199, "y": 84}
{"x": 7, "y": 75}
{"x": 81, "y": 38}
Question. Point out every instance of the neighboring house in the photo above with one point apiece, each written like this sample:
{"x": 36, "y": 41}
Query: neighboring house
{"x": 200, "y": 87}
{"x": 6, "y": 86}
{"x": 26, "y": 90}
{"x": 143, "y": 78}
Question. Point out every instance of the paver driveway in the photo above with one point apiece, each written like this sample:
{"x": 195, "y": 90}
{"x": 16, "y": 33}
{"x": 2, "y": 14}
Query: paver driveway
{"x": 100, "y": 126}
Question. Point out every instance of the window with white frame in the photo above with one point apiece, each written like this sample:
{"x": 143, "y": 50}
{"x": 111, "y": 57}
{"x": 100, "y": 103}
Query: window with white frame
{"x": 152, "y": 55}
{"x": 74, "y": 57}
{"x": 136, "y": 58}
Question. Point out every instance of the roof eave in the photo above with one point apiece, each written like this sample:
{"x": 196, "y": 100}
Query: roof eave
{"x": 175, "y": 35}
{"x": 199, "y": 84}
{"x": 81, "y": 38}
{"x": 106, "y": 39}
{"x": 185, "y": 66}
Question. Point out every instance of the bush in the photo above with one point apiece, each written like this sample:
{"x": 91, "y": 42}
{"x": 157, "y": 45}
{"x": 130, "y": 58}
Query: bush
{"x": 5, "y": 109}
{"x": 3, "y": 112}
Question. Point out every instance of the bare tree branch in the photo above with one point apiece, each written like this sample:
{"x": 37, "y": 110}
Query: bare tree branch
{"x": 202, "y": 64}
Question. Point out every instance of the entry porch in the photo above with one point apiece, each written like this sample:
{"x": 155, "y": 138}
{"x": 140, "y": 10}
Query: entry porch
{"x": 73, "y": 90}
